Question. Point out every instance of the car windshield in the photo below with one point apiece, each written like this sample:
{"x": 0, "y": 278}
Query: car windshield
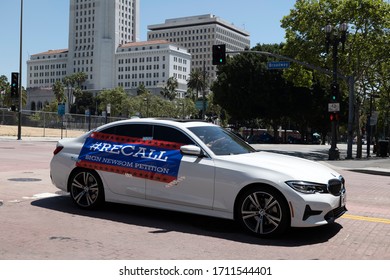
{"x": 221, "y": 141}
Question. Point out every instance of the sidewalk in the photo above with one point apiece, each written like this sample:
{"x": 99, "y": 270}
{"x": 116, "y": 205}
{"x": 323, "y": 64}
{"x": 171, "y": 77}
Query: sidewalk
{"x": 37, "y": 133}
{"x": 371, "y": 165}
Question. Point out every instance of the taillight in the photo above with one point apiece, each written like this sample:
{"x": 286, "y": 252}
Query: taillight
{"x": 58, "y": 149}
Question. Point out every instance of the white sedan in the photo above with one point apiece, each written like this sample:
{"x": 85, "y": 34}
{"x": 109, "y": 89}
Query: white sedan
{"x": 200, "y": 168}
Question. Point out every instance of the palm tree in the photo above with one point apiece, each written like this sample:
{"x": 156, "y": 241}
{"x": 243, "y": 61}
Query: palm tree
{"x": 73, "y": 82}
{"x": 169, "y": 91}
{"x": 58, "y": 89}
{"x": 198, "y": 82}
{"x": 80, "y": 78}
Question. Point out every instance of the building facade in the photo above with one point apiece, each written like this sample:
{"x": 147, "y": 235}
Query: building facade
{"x": 96, "y": 29}
{"x": 198, "y": 34}
{"x": 44, "y": 69}
{"x": 152, "y": 63}
{"x": 104, "y": 44}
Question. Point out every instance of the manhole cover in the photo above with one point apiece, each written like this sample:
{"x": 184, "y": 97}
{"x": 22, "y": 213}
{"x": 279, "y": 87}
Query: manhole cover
{"x": 24, "y": 179}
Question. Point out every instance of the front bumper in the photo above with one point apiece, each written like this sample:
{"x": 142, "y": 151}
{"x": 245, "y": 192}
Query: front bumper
{"x": 317, "y": 209}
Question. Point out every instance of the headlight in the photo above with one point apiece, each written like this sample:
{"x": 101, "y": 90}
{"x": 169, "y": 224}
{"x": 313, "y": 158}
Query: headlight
{"x": 307, "y": 187}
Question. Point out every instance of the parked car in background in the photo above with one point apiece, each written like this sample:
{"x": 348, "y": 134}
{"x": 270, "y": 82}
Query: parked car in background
{"x": 293, "y": 140}
{"x": 264, "y": 137}
{"x": 199, "y": 168}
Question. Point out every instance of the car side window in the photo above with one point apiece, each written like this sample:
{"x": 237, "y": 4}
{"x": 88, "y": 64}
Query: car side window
{"x": 142, "y": 131}
{"x": 165, "y": 133}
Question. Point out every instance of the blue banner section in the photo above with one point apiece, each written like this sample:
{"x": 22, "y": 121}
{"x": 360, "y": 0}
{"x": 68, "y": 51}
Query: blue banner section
{"x": 140, "y": 158}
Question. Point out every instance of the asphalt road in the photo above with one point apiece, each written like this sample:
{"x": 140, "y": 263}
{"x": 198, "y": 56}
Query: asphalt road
{"x": 38, "y": 222}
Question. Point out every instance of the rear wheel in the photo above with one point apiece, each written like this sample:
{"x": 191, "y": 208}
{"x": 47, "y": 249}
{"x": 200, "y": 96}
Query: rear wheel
{"x": 263, "y": 211}
{"x": 86, "y": 189}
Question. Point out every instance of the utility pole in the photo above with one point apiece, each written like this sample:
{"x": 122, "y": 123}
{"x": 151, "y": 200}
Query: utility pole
{"x": 20, "y": 73}
{"x": 334, "y": 38}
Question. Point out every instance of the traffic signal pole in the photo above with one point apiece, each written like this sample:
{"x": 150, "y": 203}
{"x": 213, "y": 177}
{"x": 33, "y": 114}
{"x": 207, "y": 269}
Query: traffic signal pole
{"x": 349, "y": 79}
{"x": 20, "y": 73}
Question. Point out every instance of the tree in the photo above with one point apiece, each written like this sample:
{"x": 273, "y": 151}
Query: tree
{"x": 142, "y": 90}
{"x": 366, "y": 48}
{"x": 74, "y": 83}
{"x": 84, "y": 101}
{"x": 247, "y": 90}
{"x": 169, "y": 91}
{"x": 191, "y": 94}
{"x": 59, "y": 92}
{"x": 118, "y": 100}
{"x": 197, "y": 81}
{"x": 253, "y": 95}
{"x": 4, "y": 91}
{"x": 79, "y": 78}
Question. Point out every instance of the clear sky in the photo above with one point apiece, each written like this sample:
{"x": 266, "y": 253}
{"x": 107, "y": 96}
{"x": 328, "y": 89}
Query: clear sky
{"x": 46, "y": 23}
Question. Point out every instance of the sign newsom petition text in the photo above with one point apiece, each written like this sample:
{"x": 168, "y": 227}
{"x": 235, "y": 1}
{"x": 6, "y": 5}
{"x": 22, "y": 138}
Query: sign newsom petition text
{"x": 144, "y": 158}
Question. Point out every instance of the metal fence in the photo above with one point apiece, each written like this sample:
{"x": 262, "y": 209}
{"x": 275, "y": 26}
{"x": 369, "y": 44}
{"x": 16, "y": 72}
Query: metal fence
{"x": 41, "y": 119}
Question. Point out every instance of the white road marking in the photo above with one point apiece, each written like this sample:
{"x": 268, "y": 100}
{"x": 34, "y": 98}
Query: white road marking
{"x": 41, "y": 195}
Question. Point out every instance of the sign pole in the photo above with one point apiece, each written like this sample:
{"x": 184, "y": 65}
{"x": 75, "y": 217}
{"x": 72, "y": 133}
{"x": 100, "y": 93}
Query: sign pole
{"x": 20, "y": 73}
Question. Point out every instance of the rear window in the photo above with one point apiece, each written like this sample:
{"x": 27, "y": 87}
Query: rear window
{"x": 141, "y": 131}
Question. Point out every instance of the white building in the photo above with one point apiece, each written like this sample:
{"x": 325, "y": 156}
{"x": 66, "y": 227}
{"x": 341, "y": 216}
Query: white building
{"x": 104, "y": 44}
{"x": 44, "y": 69}
{"x": 198, "y": 34}
{"x": 96, "y": 29}
{"x": 152, "y": 63}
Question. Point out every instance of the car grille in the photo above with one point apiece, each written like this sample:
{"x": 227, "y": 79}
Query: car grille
{"x": 335, "y": 213}
{"x": 336, "y": 187}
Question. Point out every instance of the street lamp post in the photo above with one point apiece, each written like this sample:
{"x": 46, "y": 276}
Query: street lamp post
{"x": 183, "y": 110}
{"x": 20, "y": 73}
{"x": 147, "y": 106}
{"x": 370, "y": 124}
{"x": 333, "y": 38}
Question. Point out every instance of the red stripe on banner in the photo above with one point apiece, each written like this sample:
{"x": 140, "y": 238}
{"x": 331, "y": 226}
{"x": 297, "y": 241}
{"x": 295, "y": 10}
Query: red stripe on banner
{"x": 126, "y": 171}
{"x": 132, "y": 140}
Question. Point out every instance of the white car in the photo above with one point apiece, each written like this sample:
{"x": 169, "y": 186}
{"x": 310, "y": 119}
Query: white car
{"x": 200, "y": 168}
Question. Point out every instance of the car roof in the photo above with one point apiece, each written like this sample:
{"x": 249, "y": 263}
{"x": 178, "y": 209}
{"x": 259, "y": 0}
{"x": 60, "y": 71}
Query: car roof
{"x": 182, "y": 123}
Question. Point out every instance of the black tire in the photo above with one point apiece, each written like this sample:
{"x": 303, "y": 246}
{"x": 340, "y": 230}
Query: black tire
{"x": 86, "y": 189}
{"x": 263, "y": 211}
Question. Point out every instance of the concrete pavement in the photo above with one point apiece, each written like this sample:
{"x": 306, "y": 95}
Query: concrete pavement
{"x": 371, "y": 165}
{"x": 43, "y": 223}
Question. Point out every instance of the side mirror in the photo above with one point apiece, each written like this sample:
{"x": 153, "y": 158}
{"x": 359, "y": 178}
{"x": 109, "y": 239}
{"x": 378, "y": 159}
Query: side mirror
{"x": 191, "y": 150}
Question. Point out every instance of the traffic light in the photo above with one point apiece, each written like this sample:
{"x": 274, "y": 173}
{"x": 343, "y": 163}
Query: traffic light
{"x": 219, "y": 54}
{"x": 14, "y": 85}
{"x": 334, "y": 116}
{"x": 334, "y": 93}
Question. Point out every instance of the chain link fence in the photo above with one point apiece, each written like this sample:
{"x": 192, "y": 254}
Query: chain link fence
{"x": 45, "y": 120}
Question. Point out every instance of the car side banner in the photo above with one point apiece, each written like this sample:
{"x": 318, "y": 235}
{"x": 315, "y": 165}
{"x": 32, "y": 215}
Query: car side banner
{"x": 143, "y": 158}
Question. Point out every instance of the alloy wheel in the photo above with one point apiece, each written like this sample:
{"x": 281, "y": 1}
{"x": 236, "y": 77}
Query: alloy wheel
{"x": 85, "y": 189}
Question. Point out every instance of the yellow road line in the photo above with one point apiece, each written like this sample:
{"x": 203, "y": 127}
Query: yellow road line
{"x": 364, "y": 218}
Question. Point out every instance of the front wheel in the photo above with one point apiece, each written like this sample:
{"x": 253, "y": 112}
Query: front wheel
{"x": 263, "y": 212}
{"x": 86, "y": 189}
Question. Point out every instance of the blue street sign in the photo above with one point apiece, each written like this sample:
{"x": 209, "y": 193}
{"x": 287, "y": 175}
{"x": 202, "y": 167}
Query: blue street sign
{"x": 61, "y": 109}
{"x": 278, "y": 64}
{"x": 199, "y": 105}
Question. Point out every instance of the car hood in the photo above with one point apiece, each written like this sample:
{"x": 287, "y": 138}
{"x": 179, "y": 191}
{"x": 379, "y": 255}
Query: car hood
{"x": 289, "y": 167}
